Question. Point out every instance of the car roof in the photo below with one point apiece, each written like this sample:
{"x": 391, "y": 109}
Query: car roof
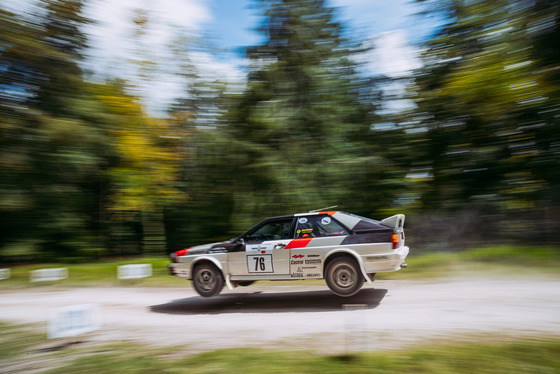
{"x": 302, "y": 214}
{"x": 351, "y": 221}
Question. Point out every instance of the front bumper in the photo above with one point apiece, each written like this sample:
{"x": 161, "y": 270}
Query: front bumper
{"x": 179, "y": 270}
{"x": 170, "y": 269}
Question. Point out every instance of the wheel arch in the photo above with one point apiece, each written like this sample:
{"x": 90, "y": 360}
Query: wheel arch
{"x": 345, "y": 252}
{"x": 206, "y": 260}
{"x": 210, "y": 260}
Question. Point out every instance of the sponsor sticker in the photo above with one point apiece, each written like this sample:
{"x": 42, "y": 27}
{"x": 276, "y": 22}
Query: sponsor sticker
{"x": 298, "y": 243}
{"x": 259, "y": 248}
{"x": 303, "y": 220}
{"x": 326, "y": 220}
{"x": 374, "y": 258}
{"x": 313, "y": 275}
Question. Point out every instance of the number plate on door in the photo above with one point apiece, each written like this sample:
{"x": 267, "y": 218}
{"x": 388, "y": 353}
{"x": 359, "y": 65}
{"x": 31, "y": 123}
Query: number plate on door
{"x": 260, "y": 264}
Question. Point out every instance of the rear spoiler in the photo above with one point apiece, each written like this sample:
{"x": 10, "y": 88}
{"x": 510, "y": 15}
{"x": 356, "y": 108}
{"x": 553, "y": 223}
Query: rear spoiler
{"x": 396, "y": 221}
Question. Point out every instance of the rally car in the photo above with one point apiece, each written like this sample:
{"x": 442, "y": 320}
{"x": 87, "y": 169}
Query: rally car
{"x": 344, "y": 249}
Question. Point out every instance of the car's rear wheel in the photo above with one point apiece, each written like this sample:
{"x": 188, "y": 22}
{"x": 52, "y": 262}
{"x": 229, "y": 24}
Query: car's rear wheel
{"x": 343, "y": 276}
{"x": 207, "y": 280}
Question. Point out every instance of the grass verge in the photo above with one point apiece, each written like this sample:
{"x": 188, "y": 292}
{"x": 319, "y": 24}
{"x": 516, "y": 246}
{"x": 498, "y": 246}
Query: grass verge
{"x": 494, "y": 261}
{"x": 96, "y": 274}
{"x": 18, "y": 353}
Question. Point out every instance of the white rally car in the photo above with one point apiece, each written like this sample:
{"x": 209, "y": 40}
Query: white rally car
{"x": 344, "y": 249}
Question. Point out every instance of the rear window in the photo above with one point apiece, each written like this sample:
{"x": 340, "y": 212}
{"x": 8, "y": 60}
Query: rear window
{"x": 318, "y": 226}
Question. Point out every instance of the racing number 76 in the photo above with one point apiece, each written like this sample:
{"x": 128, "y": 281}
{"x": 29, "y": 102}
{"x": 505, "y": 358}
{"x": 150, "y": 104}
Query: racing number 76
{"x": 259, "y": 264}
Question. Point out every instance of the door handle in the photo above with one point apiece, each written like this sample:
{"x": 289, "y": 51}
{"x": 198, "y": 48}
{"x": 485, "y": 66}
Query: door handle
{"x": 280, "y": 246}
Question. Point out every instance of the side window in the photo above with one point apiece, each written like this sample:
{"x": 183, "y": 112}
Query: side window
{"x": 318, "y": 226}
{"x": 274, "y": 230}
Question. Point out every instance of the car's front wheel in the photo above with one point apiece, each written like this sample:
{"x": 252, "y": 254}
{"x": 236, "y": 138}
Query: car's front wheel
{"x": 207, "y": 280}
{"x": 343, "y": 276}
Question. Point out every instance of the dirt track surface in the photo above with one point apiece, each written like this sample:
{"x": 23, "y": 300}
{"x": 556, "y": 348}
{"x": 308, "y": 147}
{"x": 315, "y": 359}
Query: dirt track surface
{"x": 389, "y": 315}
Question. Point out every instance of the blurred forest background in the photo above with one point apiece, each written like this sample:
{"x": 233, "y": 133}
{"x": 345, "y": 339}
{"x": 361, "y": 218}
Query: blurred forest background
{"x": 87, "y": 172}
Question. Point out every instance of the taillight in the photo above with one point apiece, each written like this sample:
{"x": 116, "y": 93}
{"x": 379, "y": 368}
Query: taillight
{"x": 395, "y": 241}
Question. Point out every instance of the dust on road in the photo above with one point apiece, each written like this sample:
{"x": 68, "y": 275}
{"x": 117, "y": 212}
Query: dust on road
{"x": 391, "y": 314}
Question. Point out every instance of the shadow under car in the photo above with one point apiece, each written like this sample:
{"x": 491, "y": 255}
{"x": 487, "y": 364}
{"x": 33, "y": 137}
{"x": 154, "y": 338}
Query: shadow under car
{"x": 273, "y": 302}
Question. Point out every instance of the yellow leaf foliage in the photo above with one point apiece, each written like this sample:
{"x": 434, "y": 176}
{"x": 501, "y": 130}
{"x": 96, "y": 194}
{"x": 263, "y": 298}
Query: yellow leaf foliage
{"x": 149, "y": 152}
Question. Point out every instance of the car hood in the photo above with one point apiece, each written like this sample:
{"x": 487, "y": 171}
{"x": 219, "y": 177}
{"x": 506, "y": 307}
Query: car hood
{"x": 204, "y": 248}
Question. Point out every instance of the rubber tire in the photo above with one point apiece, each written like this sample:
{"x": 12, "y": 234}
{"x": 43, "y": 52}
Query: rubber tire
{"x": 207, "y": 280}
{"x": 343, "y": 276}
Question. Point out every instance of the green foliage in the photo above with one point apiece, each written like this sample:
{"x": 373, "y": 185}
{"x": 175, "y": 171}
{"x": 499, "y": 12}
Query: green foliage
{"x": 85, "y": 171}
{"x": 527, "y": 256}
{"x": 143, "y": 176}
{"x": 301, "y": 129}
{"x": 486, "y": 122}
{"x": 81, "y": 165}
{"x": 51, "y": 153}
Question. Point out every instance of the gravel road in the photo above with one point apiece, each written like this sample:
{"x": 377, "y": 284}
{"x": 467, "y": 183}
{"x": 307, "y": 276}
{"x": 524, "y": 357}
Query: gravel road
{"x": 391, "y": 314}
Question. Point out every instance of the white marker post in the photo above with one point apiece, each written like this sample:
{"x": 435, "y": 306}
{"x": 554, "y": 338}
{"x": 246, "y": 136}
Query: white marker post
{"x": 134, "y": 271}
{"x": 73, "y": 320}
{"x": 46, "y": 275}
{"x": 5, "y": 274}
